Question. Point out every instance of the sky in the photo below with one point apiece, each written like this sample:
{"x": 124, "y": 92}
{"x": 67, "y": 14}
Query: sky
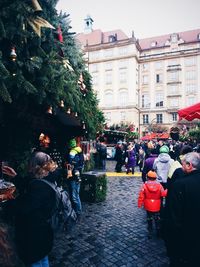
{"x": 147, "y": 18}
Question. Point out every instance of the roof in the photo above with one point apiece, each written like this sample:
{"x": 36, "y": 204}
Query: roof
{"x": 97, "y": 37}
{"x": 186, "y": 36}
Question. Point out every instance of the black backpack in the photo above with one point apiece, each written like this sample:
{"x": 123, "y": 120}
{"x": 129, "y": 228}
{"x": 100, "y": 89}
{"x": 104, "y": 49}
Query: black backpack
{"x": 78, "y": 161}
{"x": 63, "y": 216}
{"x": 103, "y": 151}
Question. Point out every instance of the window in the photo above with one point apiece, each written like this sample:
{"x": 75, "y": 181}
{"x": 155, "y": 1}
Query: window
{"x": 108, "y": 98}
{"x": 159, "y": 78}
{"x": 158, "y": 65}
{"x": 153, "y": 44}
{"x": 108, "y": 116}
{"x": 122, "y": 76}
{"x": 159, "y": 99}
{"x": 123, "y": 97}
{"x": 174, "y": 116}
{"x": 173, "y": 76}
{"x": 145, "y": 101}
{"x": 145, "y": 79}
{"x": 191, "y": 100}
{"x": 145, "y": 118}
{"x": 191, "y": 89}
{"x": 122, "y": 116}
{"x": 108, "y": 78}
{"x": 174, "y": 37}
{"x": 123, "y": 50}
{"x": 123, "y": 64}
{"x": 94, "y": 79}
{"x": 190, "y": 75}
{"x": 112, "y": 38}
{"x": 159, "y": 118}
{"x": 174, "y": 103}
{"x": 172, "y": 89}
{"x": 94, "y": 67}
{"x": 108, "y": 53}
{"x": 190, "y": 61}
{"x": 108, "y": 66}
{"x": 173, "y": 62}
{"x": 94, "y": 55}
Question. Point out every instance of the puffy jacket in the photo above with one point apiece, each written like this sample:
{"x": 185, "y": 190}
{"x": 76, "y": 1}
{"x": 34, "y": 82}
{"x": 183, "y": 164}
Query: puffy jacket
{"x": 150, "y": 195}
{"x": 161, "y": 166}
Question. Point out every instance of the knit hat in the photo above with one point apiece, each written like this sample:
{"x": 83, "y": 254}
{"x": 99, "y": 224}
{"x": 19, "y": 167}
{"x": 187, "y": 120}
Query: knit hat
{"x": 151, "y": 174}
{"x": 164, "y": 149}
{"x": 72, "y": 143}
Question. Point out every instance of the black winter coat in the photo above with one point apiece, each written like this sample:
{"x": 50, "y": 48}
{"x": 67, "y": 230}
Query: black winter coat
{"x": 183, "y": 220}
{"x": 32, "y": 209}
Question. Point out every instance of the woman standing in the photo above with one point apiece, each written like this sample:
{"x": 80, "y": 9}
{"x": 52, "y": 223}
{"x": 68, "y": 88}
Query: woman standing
{"x": 131, "y": 159}
{"x": 32, "y": 209}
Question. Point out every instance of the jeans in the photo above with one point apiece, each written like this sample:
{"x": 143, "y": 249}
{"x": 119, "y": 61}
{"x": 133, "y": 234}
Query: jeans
{"x": 74, "y": 190}
{"x": 42, "y": 263}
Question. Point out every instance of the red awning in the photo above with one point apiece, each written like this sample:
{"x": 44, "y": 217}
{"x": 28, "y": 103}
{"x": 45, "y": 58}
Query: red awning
{"x": 190, "y": 113}
{"x": 155, "y": 136}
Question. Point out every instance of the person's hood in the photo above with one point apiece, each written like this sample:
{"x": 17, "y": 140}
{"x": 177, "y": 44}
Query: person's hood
{"x": 152, "y": 186}
{"x": 163, "y": 157}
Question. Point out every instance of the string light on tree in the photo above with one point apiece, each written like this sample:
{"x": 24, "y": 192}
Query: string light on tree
{"x": 69, "y": 111}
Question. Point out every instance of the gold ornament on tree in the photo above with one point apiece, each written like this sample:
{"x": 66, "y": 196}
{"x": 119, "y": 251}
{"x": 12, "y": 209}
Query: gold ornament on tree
{"x": 37, "y": 23}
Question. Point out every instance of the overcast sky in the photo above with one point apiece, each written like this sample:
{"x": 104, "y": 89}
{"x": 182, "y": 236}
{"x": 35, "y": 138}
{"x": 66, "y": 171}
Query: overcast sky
{"x": 147, "y": 18}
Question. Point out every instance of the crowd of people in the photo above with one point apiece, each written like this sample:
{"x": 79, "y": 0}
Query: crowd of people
{"x": 170, "y": 174}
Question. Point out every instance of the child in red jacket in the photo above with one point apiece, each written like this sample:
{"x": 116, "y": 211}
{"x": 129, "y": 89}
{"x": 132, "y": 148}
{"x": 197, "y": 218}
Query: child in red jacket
{"x": 150, "y": 195}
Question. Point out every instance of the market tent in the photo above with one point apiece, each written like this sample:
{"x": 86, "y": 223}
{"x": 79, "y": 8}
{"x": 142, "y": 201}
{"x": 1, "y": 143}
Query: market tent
{"x": 190, "y": 113}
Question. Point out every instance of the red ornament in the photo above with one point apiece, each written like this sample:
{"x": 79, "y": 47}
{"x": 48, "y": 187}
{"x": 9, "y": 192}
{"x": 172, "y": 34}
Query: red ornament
{"x": 59, "y": 34}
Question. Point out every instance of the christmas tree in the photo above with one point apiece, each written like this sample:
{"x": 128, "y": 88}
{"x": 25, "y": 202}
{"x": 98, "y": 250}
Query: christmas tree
{"x": 40, "y": 67}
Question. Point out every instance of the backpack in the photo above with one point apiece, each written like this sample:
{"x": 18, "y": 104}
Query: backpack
{"x": 63, "y": 216}
{"x": 103, "y": 151}
{"x": 78, "y": 161}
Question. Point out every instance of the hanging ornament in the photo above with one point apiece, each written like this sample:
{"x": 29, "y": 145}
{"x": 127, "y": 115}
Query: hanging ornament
{"x": 50, "y": 110}
{"x": 36, "y": 5}
{"x": 82, "y": 86}
{"x": 62, "y": 104}
{"x": 76, "y": 114}
{"x": 83, "y": 123}
{"x": 37, "y": 23}
{"x": 59, "y": 34}
{"x": 69, "y": 111}
{"x": 13, "y": 54}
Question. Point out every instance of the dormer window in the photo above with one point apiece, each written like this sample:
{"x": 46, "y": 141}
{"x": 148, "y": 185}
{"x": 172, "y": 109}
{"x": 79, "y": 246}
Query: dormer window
{"x": 112, "y": 38}
{"x": 174, "y": 38}
{"x": 153, "y": 44}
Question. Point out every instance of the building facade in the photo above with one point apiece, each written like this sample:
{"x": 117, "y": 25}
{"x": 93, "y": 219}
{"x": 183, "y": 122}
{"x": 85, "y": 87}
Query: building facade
{"x": 142, "y": 82}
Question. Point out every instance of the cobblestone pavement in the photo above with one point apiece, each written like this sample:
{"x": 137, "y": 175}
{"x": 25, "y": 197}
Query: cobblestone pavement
{"x": 111, "y": 233}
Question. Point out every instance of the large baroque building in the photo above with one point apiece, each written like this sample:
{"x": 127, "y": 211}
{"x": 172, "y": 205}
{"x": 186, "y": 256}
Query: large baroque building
{"x": 142, "y": 82}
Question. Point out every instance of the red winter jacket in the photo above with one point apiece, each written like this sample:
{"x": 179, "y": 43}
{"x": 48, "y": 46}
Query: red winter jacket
{"x": 150, "y": 195}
